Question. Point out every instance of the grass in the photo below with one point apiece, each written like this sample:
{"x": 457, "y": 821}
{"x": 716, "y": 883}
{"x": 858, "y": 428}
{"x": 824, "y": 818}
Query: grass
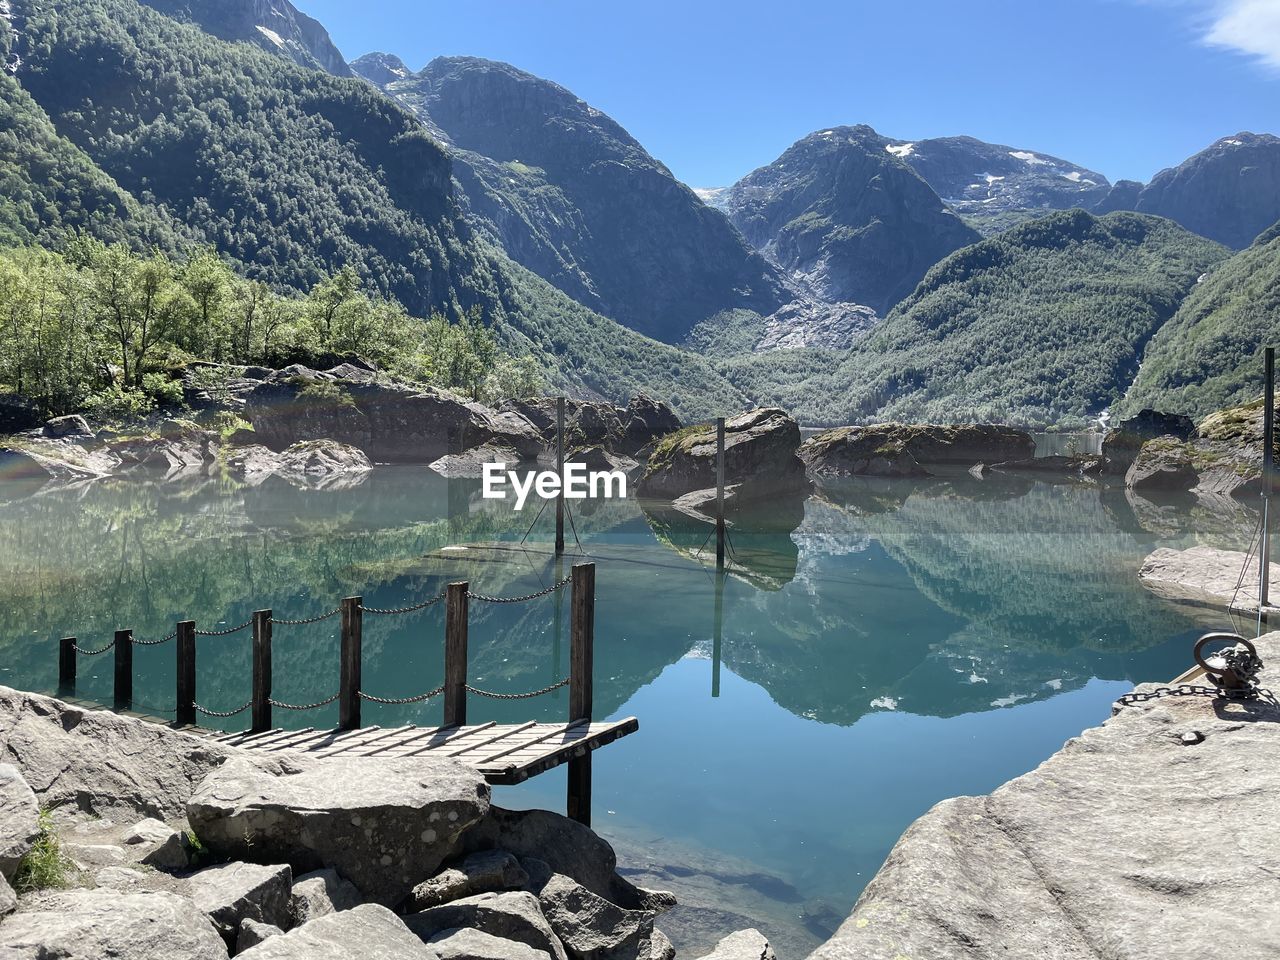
{"x": 45, "y": 866}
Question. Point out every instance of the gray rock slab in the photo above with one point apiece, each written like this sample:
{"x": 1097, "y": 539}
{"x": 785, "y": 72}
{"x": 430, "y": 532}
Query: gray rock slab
{"x": 19, "y": 819}
{"x": 1150, "y": 837}
{"x": 233, "y": 892}
{"x": 252, "y": 933}
{"x": 592, "y": 928}
{"x": 8, "y": 899}
{"x": 508, "y": 916}
{"x": 99, "y": 762}
{"x": 384, "y": 824}
{"x": 97, "y": 924}
{"x": 147, "y": 831}
{"x": 320, "y": 893}
{"x": 748, "y": 944}
{"x": 368, "y": 931}
{"x": 485, "y": 871}
{"x": 1203, "y": 575}
{"x": 465, "y": 944}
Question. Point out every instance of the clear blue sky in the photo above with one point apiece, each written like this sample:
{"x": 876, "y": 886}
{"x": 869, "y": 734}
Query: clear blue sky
{"x": 715, "y": 88}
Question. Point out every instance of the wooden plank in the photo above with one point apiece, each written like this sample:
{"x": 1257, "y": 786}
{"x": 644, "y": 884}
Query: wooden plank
{"x": 524, "y": 743}
{"x": 499, "y": 733}
{"x": 438, "y": 737}
{"x": 578, "y": 749}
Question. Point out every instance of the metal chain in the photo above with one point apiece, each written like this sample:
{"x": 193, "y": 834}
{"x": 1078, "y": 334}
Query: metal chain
{"x": 517, "y": 696}
{"x": 306, "y": 620}
{"x": 94, "y": 653}
{"x": 391, "y": 611}
{"x": 305, "y": 706}
{"x": 1191, "y": 690}
{"x": 532, "y": 596}
{"x": 222, "y": 715}
{"x": 399, "y": 701}
{"x": 154, "y": 643}
{"x": 224, "y": 633}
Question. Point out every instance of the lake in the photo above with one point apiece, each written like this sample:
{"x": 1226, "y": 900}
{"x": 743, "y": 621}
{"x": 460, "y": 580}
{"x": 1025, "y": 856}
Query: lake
{"x": 873, "y": 649}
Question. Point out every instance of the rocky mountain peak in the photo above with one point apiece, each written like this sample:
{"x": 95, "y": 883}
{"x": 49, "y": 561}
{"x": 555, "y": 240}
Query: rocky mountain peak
{"x": 381, "y": 69}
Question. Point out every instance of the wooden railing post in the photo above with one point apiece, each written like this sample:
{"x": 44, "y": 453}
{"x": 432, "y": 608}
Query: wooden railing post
{"x": 455, "y": 655}
{"x": 349, "y": 688}
{"x": 124, "y": 670}
{"x": 66, "y": 666}
{"x": 186, "y": 646}
{"x": 261, "y": 672}
{"x": 581, "y": 674}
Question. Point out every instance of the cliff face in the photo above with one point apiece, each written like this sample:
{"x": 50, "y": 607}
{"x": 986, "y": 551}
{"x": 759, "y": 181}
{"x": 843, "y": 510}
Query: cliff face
{"x": 847, "y": 217}
{"x": 572, "y": 196}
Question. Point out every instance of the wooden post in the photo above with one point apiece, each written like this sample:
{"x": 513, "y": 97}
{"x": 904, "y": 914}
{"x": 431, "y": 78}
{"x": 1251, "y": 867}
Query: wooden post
{"x": 349, "y": 684}
{"x": 124, "y": 670}
{"x": 1268, "y": 474}
{"x": 560, "y": 474}
{"x": 581, "y": 674}
{"x": 719, "y": 492}
{"x": 718, "y": 635}
{"x": 455, "y": 655}
{"x": 66, "y": 666}
{"x": 186, "y": 647}
{"x": 559, "y": 627}
{"x": 261, "y": 672}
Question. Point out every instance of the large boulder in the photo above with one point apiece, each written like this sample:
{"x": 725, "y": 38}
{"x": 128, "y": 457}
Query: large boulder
{"x": 511, "y": 916}
{"x": 8, "y": 899}
{"x": 748, "y": 944}
{"x": 94, "y": 924}
{"x": 466, "y": 944}
{"x": 99, "y": 762}
{"x": 366, "y": 931}
{"x": 1165, "y": 463}
{"x": 900, "y": 449}
{"x": 383, "y": 823}
{"x": 320, "y": 893}
{"x": 391, "y": 422}
{"x": 597, "y": 423}
{"x": 593, "y": 928}
{"x": 646, "y": 421}
{"x": 72, "y": 426}
{"x": 19, "y": 819}
{"x": 486, "y": 871}
{"x": 63, "y": 463}
{"x": 308, "y": 462}
{"x": 233, "y": 892}
{"x": 760, "y": 454}
{"x": 1121, "y": 444}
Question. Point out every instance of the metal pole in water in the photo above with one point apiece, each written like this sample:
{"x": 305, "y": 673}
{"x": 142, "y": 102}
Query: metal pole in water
{"x": 1268, "y": 475}
{"x": 560, "y": 473}
{"x": 718, "y": 634}
{"x": 720, "y": 493}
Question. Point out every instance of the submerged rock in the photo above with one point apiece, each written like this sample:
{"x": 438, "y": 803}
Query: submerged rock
{"x": 760, "y": 454}
{"x": 383, "y": 823}
{"x": 898, "y": 449}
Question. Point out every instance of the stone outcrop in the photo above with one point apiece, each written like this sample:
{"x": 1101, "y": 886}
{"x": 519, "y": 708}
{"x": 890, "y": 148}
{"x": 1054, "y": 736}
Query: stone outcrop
{"x": 309, "y": 462}
{"x": 320, "y": 893}
{"x": 382, "y": 823}
{"x": 1094, "y": 853}
{"x": 99, "y": 762}
{"x": 390, "y": 421}
{"x": 8, "y": 899}
{"x": 1162, "y": 464}
{"x": 511, "y": 916}
{"x": 19, "y": 819}
{"x": 368, "y": 930}
{"x": 71, "y": 427}
{"x": 1121, "y": 444}
{"x": 253, "y": 933}
{"x": 486, "y": 871}
{"x": 596, "y": 423}
{"x": 593, "y": 928}
{"x": 85, "y": 924}
{"x": 1079, "y": 465}
{"x": 466, "y": 944}
{"x": 233, "y": 892}
{"x": 760, "y": 454}
{"x": 748, "y": 944}
{"x": 1203, "y": 575}
{"x": 897, "y": 449}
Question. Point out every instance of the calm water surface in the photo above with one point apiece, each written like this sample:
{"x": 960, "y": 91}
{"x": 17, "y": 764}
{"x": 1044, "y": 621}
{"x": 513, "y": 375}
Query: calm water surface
{"x": 879, "y": 646}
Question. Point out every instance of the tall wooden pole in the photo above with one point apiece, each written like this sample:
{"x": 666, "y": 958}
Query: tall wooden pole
{"x": 559, "y": 628}
{"x": 261, "y": 671}
{"x": 66, "y": 666}
{"x": 1268, "y": 473}
{"x": 581, "y": 675}
{"x": 351, "y": 663}
{"x": 560, "y": 474}
{"x": 455, "y": 655}
{"x": 124, "y": 670}
{"x": 719, "y": 492}
{"x": 186, "y": 649}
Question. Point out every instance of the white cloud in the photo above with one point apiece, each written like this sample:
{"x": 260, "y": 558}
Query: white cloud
{"x": 1251, "y": 27}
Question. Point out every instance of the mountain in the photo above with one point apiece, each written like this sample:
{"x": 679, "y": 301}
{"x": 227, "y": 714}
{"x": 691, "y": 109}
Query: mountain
{"x": 140, "y": 127}
{"x": 993, "y": 186}
{"x": 568, "y": 193}
{"x": 848, "y": 218}
{"x": 1229, "y": 192}
{"x": 1209, "y": 356}
{"x": 1042, "y": 324}
{"x": 1123, "y": 195}
{"x": 276, "y": 26}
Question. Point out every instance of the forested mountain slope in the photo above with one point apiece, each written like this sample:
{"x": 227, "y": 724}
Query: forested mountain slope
{"x": 568, "y": 193}
{"x": 1209, "y": 356}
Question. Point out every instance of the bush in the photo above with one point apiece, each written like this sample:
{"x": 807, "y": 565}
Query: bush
{"x": 115, "y": 404}
{"x": 163, "y": 390}
{"x": 45, "y": 866}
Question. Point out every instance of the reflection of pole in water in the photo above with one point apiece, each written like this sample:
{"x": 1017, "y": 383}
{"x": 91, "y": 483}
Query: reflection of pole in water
{"x": 718, "y": 636}
{"x": 720, "y": 493}
{"x": 555, "y": 640}
{"x": 560, "y": 474}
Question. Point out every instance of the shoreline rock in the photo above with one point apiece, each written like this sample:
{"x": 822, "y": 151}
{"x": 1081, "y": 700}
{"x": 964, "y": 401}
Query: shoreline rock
{"x": 905, "y": 450}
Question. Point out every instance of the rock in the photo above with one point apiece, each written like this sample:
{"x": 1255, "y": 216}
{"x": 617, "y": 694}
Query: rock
{"x": 597, "y": 458}
{"x": 1076, "y": 466}
{"x": 232, "y": 892}
{"x": 172, "y": 854}
{"x": 595, "y": 423}
{"x": 72, "y": 426}
{"x": 1121, "y": 444}
{"x": 383, "y": 823}
{"x": 484, "y": 872}
{"x": 811, "y": 323}
{"x": 19, "y": 819}
{"x": 389, "y": 421}
{"x": 31, "y": 463}
{"x": 760, "y": 453}
{"x": 306, "y": 462}
{"x": 470, "y": 463}
{"x": 661, "y": 947}
{"x": 320, "y": 893}
{"x": 509, "y": 916}
{"x": 149, "y": 831}
{"x": 365, "y": 931}
{"x": 17, "y": 413}
{"x": 1095, "y": 847}
{"x": 120, "y": 878}
{"x": 564, "y": 846}
{"x": 8, "y": 899}
{"x": 85, "y": 855}
{"x": 463, "y": 944}
{"x": 1203, "y": 575}
{"x": 592, "y": 928}
{"x": 252, "y": 933}
{"x": 168, "y": 455}
{"x": 1162, "y": 464}
{"x": 898, "y": 449}
{"x": 99, "y": 762}
{"x": 747, "y": 944}
{"x": 646, "y": 420}
{"x": 242, "y": 437}
{"x": 93, "y": 924}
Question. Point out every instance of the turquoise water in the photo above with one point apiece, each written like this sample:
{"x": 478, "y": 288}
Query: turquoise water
{"x": 882, "y": 645}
